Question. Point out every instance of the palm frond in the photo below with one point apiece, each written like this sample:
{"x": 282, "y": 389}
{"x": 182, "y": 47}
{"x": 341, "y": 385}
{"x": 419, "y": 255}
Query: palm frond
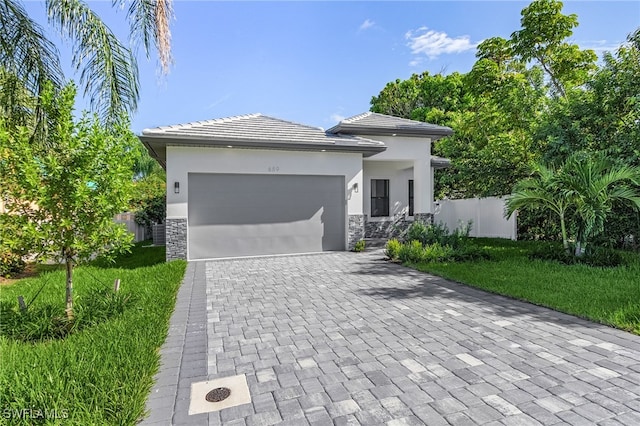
{"x": 25, "y": 51}
{"x": 28, "y": 61}
{"x": 109, "y": 75}
{"x": 149, "y": 22}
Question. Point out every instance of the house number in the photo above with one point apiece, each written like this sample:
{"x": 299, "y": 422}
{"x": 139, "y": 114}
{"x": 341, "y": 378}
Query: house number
{"x": 274, "y": 169}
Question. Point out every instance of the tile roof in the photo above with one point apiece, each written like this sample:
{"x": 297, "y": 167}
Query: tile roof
{"x": 377, "y": 124}
{"x": 258, "y": 128}
{"x": 253, "y": 131}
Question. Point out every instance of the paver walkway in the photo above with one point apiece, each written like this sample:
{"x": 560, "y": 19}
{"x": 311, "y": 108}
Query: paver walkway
{"x": 346, "y": 338}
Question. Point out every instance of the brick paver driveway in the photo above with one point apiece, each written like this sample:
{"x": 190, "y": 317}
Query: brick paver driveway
{"x": 347, "y": 338}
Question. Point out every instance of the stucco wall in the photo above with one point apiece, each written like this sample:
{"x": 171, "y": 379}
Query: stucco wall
{"x": 182, "y": 160}
{"x": 402, "y": 148}
{"x": 416, "y": 152}
{"x": 399, "y": 173}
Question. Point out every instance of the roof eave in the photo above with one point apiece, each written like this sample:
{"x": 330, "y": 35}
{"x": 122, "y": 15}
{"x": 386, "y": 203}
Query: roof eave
{"x": 349, "y": 129}
{"x": 156, "y": 144}
{"x": 161, "y": 159}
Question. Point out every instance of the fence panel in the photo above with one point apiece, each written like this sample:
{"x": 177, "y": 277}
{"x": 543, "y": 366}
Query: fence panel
{"x": 486, "y": 214}
{"x": 128, "y": 219}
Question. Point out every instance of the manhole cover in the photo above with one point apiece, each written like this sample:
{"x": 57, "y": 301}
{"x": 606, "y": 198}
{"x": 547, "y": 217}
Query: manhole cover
{"x": 218, "y": 394}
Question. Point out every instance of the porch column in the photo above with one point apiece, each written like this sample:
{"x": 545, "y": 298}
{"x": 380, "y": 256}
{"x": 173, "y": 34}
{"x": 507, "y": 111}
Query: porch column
{"x": 422, "y": 189}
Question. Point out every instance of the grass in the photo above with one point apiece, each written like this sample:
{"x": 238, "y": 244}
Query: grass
{"x": 607, "y": 295}
{"x": 102, "y": 372}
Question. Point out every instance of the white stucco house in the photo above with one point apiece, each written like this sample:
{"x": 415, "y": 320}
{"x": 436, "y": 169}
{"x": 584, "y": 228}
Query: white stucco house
{"x": 257, "y": 185}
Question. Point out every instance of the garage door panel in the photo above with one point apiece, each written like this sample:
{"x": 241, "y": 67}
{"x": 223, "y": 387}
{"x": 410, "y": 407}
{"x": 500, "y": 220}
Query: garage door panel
{"x": 244, "y": 215}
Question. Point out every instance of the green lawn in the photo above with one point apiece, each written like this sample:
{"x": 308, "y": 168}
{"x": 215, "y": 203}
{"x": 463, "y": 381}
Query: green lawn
{"x": 101, "y": 373}
{"x": 607, "y": 295}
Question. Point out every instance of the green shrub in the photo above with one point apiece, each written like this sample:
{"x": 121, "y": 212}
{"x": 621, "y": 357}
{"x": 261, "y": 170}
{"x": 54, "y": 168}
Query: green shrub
{"x": 459, "y": 237}
{"x": 11, "y": 263}
{"x": 411, "y": 252}
{"x": 359, "y": 246}
{"x": 437, "y": 233}
{"x": 392, "y": 249}
{"x": 417, "y": 231}
{"x": 437, "y": 253}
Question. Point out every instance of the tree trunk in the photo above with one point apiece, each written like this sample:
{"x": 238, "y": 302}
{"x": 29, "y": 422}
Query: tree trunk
{"x": 565, "y": 241}
{"x": 69, "y": 310}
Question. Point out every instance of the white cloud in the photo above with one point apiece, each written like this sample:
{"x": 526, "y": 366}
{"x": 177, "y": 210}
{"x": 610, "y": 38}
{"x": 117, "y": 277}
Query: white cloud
{"x": 600, "y": 46}
{"x": 434, "y": 43}
{"x": 368, "y": 23}
{"x": 336, "y": 117}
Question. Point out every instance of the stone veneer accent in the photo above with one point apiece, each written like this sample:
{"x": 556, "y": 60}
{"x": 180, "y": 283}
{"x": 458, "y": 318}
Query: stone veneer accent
{"x": 176, "y": 234}
{"x": 393, "y": 228}
{"x": 424, "y": 217}
{"x": 356, "y": 229}
{"x": 387, "y": 228}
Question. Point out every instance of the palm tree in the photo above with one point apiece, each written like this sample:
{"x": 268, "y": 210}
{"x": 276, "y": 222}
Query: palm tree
{"x": 542, "y": 189}
{"x": 108, "y": 69}
{"x": 587, "y": 185}
{"x": 593, "y": 184}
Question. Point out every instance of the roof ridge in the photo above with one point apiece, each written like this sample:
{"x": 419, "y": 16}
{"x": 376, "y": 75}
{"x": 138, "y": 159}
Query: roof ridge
{"x": 356, "y": 117}
{"x": 282, "y": 120}
{"x": 401, "y": 118}
{"x": 205, "y": 122}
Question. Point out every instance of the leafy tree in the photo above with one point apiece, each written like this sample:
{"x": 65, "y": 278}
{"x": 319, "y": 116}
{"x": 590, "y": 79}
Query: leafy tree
{"x": 485, "y": 139}
{"x": 543, "y": 38}
{"x": 108, "y": 70}
{"x": 65, "y": 197}
{"x": 423, "y": 97}
{"x": 603, "y": 116}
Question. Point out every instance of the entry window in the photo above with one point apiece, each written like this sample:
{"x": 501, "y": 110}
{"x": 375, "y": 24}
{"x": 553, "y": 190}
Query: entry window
{"x": 410, "y": 197}
{"x": 379, "y": 197}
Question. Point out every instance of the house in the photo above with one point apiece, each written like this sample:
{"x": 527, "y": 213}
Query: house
{"x": 257, "y": 185}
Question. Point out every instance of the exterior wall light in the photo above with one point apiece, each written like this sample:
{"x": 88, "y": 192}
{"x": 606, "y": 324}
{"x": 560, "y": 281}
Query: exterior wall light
{"x": 355, "y": 187}
{"x": 176, "y": 187}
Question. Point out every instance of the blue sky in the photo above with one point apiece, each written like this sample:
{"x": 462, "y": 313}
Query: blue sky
{"x": 316, "y": 62}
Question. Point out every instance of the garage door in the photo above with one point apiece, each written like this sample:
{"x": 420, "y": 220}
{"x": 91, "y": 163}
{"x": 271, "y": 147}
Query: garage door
{"x": 247, "y": 215}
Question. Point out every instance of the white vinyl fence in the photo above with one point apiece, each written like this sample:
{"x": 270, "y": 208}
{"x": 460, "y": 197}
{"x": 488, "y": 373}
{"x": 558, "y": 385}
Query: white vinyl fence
{"x": 128, "y": 219}
{"x": 486, "y": 214}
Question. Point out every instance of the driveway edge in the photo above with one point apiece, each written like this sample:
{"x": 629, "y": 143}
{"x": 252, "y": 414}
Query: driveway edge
{"x": 183, "y": 356}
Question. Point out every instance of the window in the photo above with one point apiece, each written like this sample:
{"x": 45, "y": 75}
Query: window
{"x": 379, "y": 197}
{"x": 410, "y": 197}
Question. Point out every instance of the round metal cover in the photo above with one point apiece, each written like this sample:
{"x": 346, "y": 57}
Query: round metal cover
{"x": 218, "y": 394}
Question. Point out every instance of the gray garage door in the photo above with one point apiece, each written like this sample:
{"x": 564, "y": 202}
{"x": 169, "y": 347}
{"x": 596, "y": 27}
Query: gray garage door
{"x": 246, "y": 215}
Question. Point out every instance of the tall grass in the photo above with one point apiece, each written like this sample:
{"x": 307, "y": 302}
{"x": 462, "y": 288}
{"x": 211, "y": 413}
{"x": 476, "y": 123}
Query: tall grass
{"x": 101, "y": 373}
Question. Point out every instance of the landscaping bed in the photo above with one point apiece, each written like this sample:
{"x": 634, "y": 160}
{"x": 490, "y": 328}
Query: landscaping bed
{"x": 100, "y": 368}
{"x": 609, "y": 295}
